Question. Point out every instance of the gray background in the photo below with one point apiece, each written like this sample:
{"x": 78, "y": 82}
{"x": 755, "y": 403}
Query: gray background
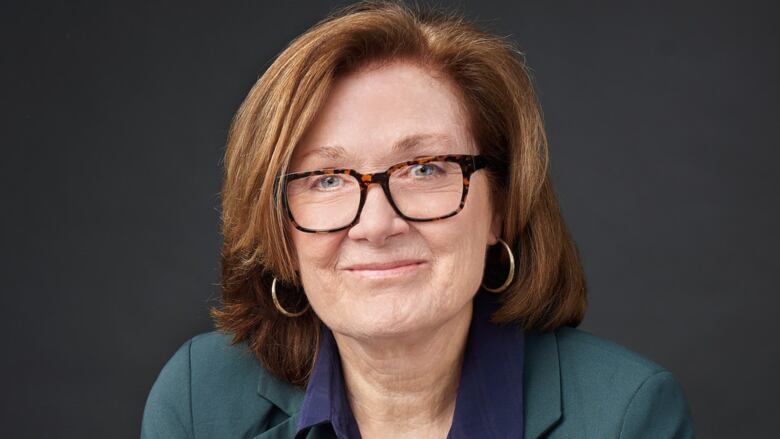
{"x": 662, "y": 118}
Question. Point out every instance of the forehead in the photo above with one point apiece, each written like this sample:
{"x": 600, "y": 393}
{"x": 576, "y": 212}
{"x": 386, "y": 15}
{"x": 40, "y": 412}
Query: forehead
{"x": 382, "y": 115}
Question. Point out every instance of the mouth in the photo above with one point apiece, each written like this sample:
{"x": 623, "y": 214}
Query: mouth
{"x": 386, "y": 269}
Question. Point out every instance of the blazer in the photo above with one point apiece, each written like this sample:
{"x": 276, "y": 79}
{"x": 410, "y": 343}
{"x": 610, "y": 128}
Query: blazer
{"x": 575, "y": 384}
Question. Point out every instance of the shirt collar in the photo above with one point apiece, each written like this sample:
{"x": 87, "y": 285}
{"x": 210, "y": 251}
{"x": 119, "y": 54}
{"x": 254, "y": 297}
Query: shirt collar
{"x": 490, "y": 395}
{"x": 325, "y": 400}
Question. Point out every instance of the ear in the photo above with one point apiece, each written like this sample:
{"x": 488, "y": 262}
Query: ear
{"x": 495, "y": 229}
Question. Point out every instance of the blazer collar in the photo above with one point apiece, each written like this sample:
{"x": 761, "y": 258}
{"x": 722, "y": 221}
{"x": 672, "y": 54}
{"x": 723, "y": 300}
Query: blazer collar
{"x": 541, "y": 388}
{"x": 286, "y": 397}
{"x": 541, "y": 384}
{"x": 280, "y": 393}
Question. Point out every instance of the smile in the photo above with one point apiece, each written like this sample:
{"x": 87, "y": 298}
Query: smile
{"x": 397, "y": 269}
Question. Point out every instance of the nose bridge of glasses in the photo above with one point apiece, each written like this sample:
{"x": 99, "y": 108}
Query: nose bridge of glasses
{"x": 380, "y": 179}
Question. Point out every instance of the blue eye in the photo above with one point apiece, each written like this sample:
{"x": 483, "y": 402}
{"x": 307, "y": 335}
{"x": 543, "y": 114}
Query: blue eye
{"x": 426, "y": 169}
{"x": 327, "y": 182}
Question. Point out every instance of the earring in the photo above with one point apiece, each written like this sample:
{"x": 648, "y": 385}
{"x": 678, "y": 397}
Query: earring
{"x": 511, "y": 275}
{"x": 279, "y": 305}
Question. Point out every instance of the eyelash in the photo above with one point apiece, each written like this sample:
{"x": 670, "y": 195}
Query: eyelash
{"x": 436, "y": 169}
{"x": 320, "y": 178}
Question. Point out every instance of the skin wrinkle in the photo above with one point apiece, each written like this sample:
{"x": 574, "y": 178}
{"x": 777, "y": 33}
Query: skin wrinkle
{"x": 422, "y": 143}
{"x": 401, "y": 340}
{"x": 392, "y": 379}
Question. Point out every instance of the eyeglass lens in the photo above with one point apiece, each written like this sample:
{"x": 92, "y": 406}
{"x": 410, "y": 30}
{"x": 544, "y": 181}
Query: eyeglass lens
{"x": 420, "y": 191}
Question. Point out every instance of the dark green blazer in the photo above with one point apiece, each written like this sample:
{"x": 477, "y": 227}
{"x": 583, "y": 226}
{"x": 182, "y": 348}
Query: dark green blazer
{"x": 576, "y": 385}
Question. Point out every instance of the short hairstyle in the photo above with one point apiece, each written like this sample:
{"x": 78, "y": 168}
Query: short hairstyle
{"x": 505, "y": 121}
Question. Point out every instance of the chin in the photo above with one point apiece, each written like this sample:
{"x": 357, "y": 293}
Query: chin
{"x": 387, "y": 319}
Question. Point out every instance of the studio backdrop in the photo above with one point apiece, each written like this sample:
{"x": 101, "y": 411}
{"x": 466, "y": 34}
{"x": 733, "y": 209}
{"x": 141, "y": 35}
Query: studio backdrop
{"x": 663, "y": 151}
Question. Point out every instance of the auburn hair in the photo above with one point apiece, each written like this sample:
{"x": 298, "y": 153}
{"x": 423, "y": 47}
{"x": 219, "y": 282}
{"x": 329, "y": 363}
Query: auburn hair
{"x": 505, "y": 121}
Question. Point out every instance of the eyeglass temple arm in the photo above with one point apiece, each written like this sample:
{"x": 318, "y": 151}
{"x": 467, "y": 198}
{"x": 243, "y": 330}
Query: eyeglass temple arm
{"x": 479, "y": 162}
{"x": 277, "y": 187}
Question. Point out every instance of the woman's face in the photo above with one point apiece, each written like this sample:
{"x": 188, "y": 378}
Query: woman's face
{"x": 365, "y": 115}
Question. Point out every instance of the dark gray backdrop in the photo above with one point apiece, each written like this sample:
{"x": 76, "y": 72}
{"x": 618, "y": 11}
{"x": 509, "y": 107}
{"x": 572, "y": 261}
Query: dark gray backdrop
{"x": 662, "y": 119}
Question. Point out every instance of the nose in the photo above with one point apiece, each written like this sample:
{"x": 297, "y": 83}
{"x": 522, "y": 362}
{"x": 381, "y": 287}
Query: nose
{"x": 378, "y": 220}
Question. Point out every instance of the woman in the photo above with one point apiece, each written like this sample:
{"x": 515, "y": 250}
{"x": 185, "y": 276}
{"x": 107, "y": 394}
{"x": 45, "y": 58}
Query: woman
{"x": 394, "y": 261}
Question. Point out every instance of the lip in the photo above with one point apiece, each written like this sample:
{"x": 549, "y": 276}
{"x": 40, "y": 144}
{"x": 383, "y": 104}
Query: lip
{"x": 386, "y": 269}
{"x": 385, "y": 266}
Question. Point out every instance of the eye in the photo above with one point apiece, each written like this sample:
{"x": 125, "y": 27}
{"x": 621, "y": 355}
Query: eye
{"x": 327, "y": 182}
{"x": 425, "y": 170}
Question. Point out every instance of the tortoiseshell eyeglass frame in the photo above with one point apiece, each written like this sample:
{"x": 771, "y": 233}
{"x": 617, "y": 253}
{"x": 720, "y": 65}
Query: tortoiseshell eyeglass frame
{"x": 468, "y": 165}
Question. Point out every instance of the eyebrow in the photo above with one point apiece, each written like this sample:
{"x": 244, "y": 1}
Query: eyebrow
{"x": 404, "y": 144}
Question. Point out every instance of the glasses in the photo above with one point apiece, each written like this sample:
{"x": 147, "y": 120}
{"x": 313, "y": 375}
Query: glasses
{"x": 424, "y": 189}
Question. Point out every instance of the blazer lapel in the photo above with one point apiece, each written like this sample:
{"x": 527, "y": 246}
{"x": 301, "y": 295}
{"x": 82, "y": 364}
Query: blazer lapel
{"x": 541, "y": 384}
{"x": 285, "y": 396}
{"x": 288, "y": 398}
{"x": 284, "y": 430}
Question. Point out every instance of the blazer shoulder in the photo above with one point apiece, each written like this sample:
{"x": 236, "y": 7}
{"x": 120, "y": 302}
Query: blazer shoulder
{"x": 167, "y": 413}
{"x": 590, "y": 350}
{"x": 215, "y": 350}
{"x": 209, "y": 388}
{"x": 629, "y": 394}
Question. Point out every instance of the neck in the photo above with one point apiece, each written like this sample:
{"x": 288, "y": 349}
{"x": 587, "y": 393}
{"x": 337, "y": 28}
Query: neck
{"x": 405, "y": 386}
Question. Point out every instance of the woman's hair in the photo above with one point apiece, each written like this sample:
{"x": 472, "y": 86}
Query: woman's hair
{"x": 504, "y": 119}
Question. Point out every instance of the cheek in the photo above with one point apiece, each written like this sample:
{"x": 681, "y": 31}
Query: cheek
{"x": 461, "y": 241}
{"x": 463, "y": 256}
{"x": 473, "y": 222}
{"x": 316, "y": 252}
{"x": 318, "y": 257}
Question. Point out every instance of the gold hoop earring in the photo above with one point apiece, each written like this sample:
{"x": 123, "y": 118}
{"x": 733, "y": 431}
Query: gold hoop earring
{"x": 279, "y": 305}
{"x": 511, "y": 275}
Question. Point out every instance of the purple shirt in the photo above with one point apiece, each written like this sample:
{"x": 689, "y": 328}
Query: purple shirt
{"x": 490, "y": 395}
